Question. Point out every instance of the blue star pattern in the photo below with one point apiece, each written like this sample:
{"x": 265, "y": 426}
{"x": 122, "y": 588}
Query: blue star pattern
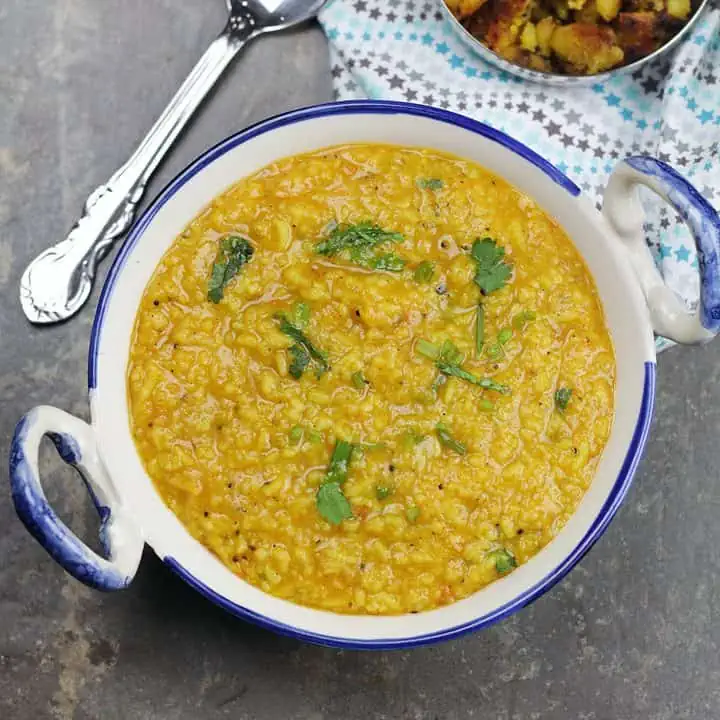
{"x": 669, "y": 109}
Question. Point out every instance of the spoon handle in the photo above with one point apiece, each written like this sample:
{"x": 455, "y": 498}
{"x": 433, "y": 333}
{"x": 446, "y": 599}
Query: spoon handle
{"x": 56, "y": 284}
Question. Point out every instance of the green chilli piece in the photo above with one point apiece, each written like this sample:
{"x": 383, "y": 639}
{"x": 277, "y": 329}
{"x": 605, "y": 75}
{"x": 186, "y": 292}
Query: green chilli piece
{"x": 383, "y": 491}
{"x": 412, "y": 513}
{"x": 504, "y": 560}
{"x": 358, "y": 380}
{"x": 447, "y": 440}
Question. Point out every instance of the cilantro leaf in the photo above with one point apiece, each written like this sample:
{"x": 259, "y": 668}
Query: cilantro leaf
{"x": 447, "y": 359}
{"x": 484, "y": 383}
{"x": 330, "y": 500}
{"x": 388, "y": 261}
{"x": 492, "y": 272}
{"x": 361, "y": 235}
{"x": 339, "y": 462}
{"x": 300, "y": 315}
{"x": 430, "y": 183}
{"x": 383, "y": 491}
{"x": 562, "y": 398}
{"x": 234, "y": 252}
{"x": 424, "y": 272}
{"x": 446, "y": 439}
{"x": 359, "y": 242}
{"x": 302, "y": 351}
{"x": 300, "y": 359}
{"x": 332, "y": 503}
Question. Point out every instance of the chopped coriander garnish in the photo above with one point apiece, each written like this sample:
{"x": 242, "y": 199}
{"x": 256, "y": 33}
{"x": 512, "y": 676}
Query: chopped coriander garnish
{"x": 412, "y": 513}
{"x": 359, "y": 242}
{"x": 234, "y": 252}
{"x": 383, "y": 491}
{"x": 479, "y": 330}
{"x": 299, "y": 360}
{"x": 449, "y": 353}
{"x": 387, "y": 261}
{"x": 430, "y": 183}
{"x": 521, "y": 320}
{"x": 330, "y": 500}
{"x": 492, "y": 272}
{"x": 447, "y": 360}
{"x": 486, "y": 405}
{"x": 494, "y": 351}
{"x": 424, "y": 272}
{"x": 504, "y": 560}
{"x": 300, "y": 315}
{"x": 427, "y": 349}
{"x": 484, "y": 383}
{"x": 302, "y": 352}
{"x": 358, "y": 380}
{"x": 332, "y": 503}
{"x": 412, "y": 438}
{"x": 438, "y": 382}
{"x": 562, "y": 398}
{"x": 504, "y": 336}
{"x": 296, "y": 435}
{"x": 314, "y": 437}
{"x": 446, "y": 439}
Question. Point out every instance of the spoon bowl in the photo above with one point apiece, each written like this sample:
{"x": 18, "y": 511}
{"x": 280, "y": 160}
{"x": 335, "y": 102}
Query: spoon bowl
{"x": 58, "y": 282}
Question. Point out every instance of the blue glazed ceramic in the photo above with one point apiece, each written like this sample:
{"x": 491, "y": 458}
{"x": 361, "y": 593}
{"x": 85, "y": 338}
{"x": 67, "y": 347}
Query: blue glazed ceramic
{"x": 635, "y": 300}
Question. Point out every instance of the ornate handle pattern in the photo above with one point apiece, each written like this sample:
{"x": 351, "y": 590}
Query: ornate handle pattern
{"x": 56, "y": 284}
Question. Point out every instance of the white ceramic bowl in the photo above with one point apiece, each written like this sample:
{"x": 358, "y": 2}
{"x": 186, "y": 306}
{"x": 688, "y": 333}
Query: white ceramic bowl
{"x": 634, "y": 298}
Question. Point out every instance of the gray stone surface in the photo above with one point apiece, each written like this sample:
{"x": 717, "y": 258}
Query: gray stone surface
{"x": 632, "y": 633}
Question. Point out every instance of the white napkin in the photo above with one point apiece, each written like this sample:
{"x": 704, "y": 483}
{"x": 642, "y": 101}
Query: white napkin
{"x": 670, "y": 109}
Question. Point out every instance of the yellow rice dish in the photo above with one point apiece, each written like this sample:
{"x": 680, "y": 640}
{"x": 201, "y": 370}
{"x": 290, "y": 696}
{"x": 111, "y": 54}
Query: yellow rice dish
{"x": 371, "y": 379}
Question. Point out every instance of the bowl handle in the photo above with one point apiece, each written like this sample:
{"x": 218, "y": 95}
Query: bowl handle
{"x": 76, "y": 443}
{"x": 621, "y": 206}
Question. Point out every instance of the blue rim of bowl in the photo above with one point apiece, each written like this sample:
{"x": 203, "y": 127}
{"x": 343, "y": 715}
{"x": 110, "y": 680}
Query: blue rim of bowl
{"x": 632, "y": 457}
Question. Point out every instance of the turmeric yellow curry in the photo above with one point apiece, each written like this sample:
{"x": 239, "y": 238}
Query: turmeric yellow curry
{"x": 371, "y": 379}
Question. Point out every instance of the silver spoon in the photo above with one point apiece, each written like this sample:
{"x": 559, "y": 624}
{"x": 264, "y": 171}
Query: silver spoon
{"x": 56, "y": 284}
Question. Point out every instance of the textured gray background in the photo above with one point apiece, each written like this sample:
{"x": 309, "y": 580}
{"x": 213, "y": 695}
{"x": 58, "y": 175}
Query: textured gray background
{"x": 632, "y": 633}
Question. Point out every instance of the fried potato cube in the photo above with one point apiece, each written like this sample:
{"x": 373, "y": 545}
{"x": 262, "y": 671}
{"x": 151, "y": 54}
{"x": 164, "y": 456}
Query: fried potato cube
{"x": 528, "y": 38}
{"x": 464, "y": 8}
{"x": 588, "y": 13}
{"x": 678, "y": 8}
{"x": 638, "y": 32}
{"x": 586, "y": 48}
{"x": 576, "y": 4}
{"x": 608, "y": 9}
{"x": 544, "y": 30}
{"x": 504, "y": 30}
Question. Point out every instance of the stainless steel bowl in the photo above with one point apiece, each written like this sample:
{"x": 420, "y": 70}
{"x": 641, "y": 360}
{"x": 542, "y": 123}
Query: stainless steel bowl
{"x": 548, "y": 78}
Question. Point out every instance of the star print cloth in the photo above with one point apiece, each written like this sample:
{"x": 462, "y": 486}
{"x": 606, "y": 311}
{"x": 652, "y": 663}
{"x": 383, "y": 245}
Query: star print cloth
{"x": 669, "y": 109}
